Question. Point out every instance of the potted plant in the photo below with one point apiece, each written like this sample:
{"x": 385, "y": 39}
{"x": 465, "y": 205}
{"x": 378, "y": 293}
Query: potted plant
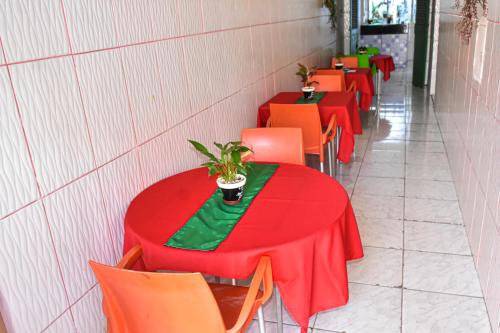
{"x": 305, "y": 74}
{"x": 332, "y": 18}
{"x": 339, "y": 64}
{"x": 230, "y": 168}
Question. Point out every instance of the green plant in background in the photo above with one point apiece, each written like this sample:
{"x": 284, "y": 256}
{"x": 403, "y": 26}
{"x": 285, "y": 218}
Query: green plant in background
{"x": 375, "y": 11}
{"x": 305, "y": 74}
{"x": 229, "y": 164}
{"x": 330, "y": 4}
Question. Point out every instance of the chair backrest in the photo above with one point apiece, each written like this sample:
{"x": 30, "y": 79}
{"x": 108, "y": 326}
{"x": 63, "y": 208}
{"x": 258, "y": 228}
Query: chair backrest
{"x": 339, "y": 72}
{"x": 372, "y": 51}
{"x": 284, "y": 145}
{"x": 328, "y": 82}
{"x": 158, "y": 302}
{"x": 363, "y": 61}
{"x": 350, "y": 62}
{"x": 304, "y": 116}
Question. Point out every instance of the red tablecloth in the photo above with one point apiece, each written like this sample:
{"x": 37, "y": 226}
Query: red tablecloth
{"x": 364, "y": 84}
{"x": 342, "y": 104}
{"x": 302, "y": 219}
{"x": 384, "y": 63}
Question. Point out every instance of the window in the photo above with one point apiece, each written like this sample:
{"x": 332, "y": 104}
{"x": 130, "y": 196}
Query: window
{"x": 388, "y": 11}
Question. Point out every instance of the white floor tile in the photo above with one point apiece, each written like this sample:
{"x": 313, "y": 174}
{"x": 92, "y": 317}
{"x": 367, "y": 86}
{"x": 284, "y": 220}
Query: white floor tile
{"x": 384, "y": 156}
{"x": 378, "y": 206}
{"x": 428, "y": 172}
{"x": 393, "y": 187}
{"x": 425, "y": 147}
{"x": 378, "y": 267}
{"x": 394, "y": 145}
{"x": 389, "y": 170}
{"x": 430, "y": 189}
{"x": 381, "y": 232}
{"x": 370, "y": 309}
{"x": 443, "y": 273}
{"x": 423, "y": 136}
{"x": 432, "y": 210}
{"x": 430, "y": 159}
{"x": 351, "y": 169}
{"x": 436, "y": 237}
{"x": 425, "y": 312}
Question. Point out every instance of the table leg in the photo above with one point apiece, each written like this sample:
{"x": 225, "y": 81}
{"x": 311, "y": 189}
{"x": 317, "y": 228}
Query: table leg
{"x": 279, "y": 313}
{"x": 379, "y": 82}
{"x": 233, "y": 282}
{"x": 333, "y": 148}
{"x": 337, "y": 139}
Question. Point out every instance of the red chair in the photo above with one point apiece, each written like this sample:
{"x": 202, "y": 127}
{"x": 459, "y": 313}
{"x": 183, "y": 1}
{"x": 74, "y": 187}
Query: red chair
{"x": 306, "y": 117}
{"x": 284, "y": 145}
{"x": 136, "y": 302}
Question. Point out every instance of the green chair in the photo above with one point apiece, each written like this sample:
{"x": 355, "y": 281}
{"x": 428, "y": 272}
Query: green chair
{"x": 372, "y": 51}
{"x": 364, "y": 62}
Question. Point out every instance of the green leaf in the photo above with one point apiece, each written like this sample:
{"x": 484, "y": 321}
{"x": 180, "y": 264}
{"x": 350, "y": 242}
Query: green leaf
{"x": 236, "y": 156}
{"x": 202, "y": 149}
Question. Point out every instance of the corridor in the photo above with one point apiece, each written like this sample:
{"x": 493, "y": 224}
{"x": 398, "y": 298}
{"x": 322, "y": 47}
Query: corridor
{"x": 418, "y": 274}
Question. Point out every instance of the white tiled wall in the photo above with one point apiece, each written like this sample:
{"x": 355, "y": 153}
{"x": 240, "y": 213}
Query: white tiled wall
{"x": 97, "y": 101}
{"x": 469, "y": 117}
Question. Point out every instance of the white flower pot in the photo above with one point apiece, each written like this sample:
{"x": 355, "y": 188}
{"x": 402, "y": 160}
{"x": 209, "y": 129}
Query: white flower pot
{"x": 232, "y": 192}
{"x": 308, "y": 92}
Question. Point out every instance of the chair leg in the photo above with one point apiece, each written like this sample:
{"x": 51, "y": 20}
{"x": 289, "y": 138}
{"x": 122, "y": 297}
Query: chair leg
{"x": 279, "y": 313}
{"x": 262, "y": 326}
{"x": 322, "y": 167}
{"x": 334, "y": 151}
{"x": 233, "y": 282}
{"x": 330, "y": 160}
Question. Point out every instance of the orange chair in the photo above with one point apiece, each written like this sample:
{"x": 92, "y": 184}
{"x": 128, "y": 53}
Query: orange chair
{"x": 136, "y": 302}
{"x": 306, "y": 117}
{"x": 349, "y": 62}
{"x": 283, "y": 145}
{"x": 339, "y": 72}
{"x": 331, "y": 83}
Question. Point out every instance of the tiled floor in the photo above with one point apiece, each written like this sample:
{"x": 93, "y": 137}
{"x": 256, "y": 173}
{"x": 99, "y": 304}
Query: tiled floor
{"x": 417, "y": 275}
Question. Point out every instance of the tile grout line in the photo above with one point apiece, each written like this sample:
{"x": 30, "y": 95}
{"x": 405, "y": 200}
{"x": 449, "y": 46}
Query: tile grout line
{"x": 404, "y": 203}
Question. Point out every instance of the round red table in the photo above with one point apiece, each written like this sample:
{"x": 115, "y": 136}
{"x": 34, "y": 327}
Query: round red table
{"x": 302, "y": 219}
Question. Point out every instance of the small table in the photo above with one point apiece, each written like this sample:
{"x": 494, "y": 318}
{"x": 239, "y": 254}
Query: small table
{"x": 342, "y": 104}
{"x": 302, "y": 219}
{"x": 384, "y": 64}
{"x": 364, "y": 84}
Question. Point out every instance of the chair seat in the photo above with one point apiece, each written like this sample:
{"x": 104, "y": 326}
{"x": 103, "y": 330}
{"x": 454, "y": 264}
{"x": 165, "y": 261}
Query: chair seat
{"x": 230, "y": 300}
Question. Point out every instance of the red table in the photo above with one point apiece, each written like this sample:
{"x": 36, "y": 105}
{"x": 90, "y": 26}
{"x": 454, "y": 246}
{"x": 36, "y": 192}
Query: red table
{"x": 384, "y": 63}
{"x": 342, "y": 104}
{"x": 302, "y": 219}
{"x": 364, "y": 84}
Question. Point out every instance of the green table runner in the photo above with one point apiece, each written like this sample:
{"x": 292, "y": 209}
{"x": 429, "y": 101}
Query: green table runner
{"x": 213, "y": 222}
{"x": 316, "y": 98}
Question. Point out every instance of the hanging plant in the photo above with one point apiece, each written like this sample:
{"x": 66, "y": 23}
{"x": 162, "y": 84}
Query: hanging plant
{"x": 330, "y": 4}
{"x": 469, "y": 17}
